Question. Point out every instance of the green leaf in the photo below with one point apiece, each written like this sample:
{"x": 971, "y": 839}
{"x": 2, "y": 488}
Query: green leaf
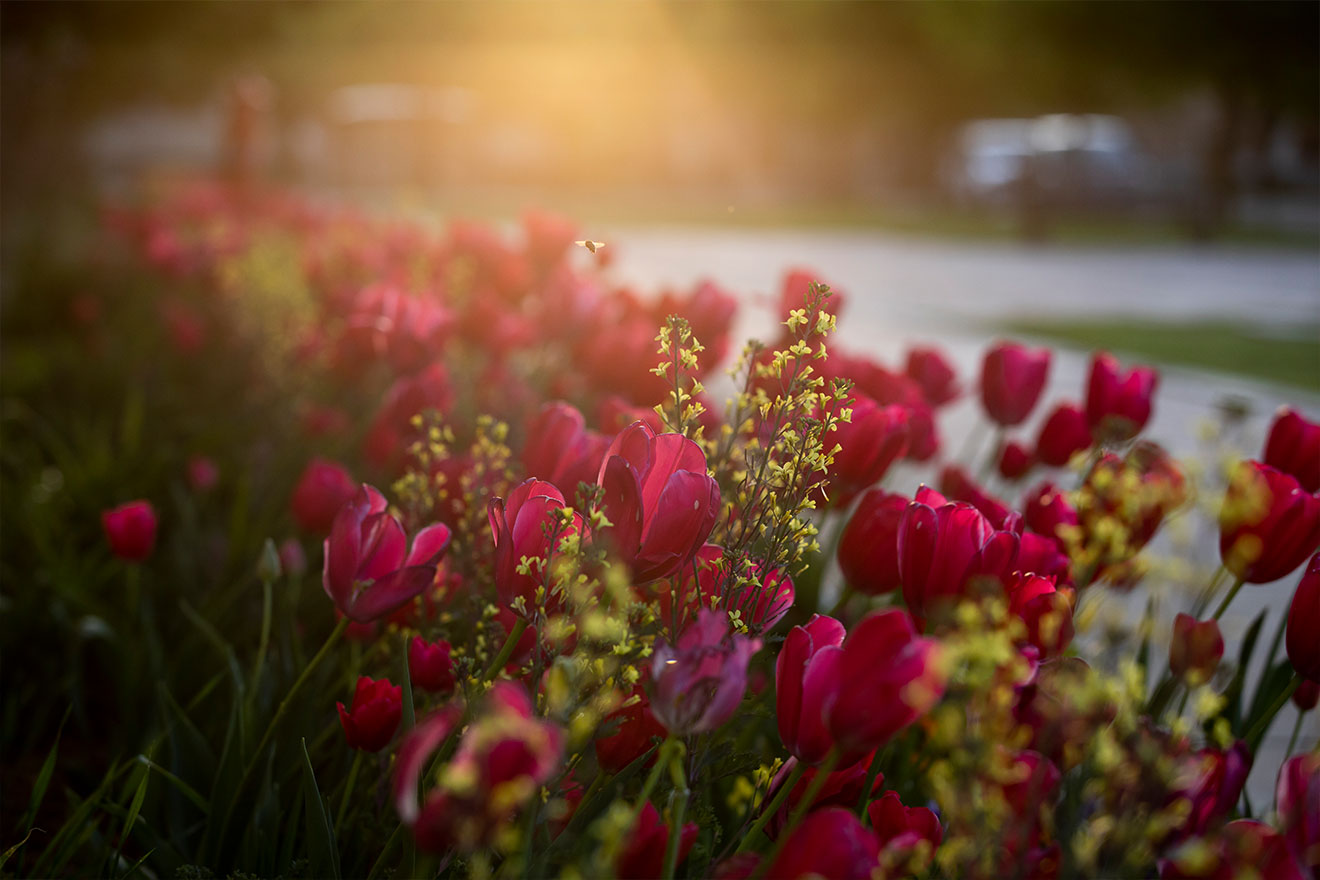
{"x": 409, "y": 717}
{"x": 136, "y": 806}
{"x": 9, "y": 853}
{"x": 320, "y": 836}
{"x": 43, "y": 778}
{"x": 1233, "y": 694}
{"x": 184, "y": 788}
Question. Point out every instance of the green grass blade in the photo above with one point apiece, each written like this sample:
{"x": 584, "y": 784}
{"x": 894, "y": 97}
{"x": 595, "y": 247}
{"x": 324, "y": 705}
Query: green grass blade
{"x": 320, "y": 836}
{"x": 43, "y": 777}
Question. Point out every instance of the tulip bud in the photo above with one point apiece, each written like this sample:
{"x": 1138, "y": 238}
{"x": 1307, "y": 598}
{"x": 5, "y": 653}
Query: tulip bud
{"x": 322, "y": 490}
{"x": 202, "y": 473}
{"x": 1303, "y": 639}
{"x": 868, "y": 549}
{"x": 1307, "y": 695}
{"x": 1294, "y": 448}
{"x": 1012, "y": 378}
{"x": 293, "y": 561}
{"x": 268, "y": 563}
{"x": 870, "y": 443}
{"x": 806, "y": 678}
{"x": 1064, "y": 434}
{"x": 130, "y": 530}
{"x": 377, "y": 709}
{"x": 1196, "y": 649}
{"x": 929, "y": 369}
{"x": 1015, "y": 460}
{"x": 1118, "y": 407}
{"x": 430, "y": 665}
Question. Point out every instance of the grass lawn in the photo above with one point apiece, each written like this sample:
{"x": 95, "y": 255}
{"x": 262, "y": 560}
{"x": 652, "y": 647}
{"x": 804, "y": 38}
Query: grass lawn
{"x": 1289, "y": 356}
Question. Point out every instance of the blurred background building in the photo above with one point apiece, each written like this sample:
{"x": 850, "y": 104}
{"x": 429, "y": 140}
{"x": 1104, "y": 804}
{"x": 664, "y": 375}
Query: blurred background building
{"x": 1199, "y": 115}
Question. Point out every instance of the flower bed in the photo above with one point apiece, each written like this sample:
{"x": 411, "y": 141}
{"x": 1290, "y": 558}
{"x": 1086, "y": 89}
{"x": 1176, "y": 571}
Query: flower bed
{"x": 580, "y": 618}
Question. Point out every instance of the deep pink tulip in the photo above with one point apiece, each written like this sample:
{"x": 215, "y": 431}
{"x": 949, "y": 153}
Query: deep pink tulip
{"x": 636, "y": 734}
{"x": 931, "y": 370}
{"x": 1196, "y": 649}
{"x": 1297, "y": 802}
{"x": 876, "y": 437}
{"x": 957, "y": 485}
{"x": 560, "y": 449}
{"x": 130, "y": 530}
{"x": 888, "y": 678}
{"x": 806, "y": 677}
{"x": 1012, "y": 378}
{"x": 841, "y": 788}
{"x": 430, "y": 665}
{"x": 377, "y": 709}
{"x": 661, "y": 502}
{"x": 1046, "y": 611}
{"x": 941, "y": 548}
{"x": 831, "y": 843}
{"x": 202, "y": 473}
{"x": 1039, "y": 555}
{"x": 370, "y": 571}
{"x": 1212, "y": 781}
{"x": 293, "y": 559}
{"x": 643, "y": 854}
{"x": 527, "y": 525}
{"x": 1294, "y": 448}
{"x": 759, "y": 608}
{"x": 868, "y": 549}
{"x": 392, "y": 430}
{"x": 1118, "y": 406}
{"x": 908, "y": 836}
{"x": 1303, "y": 641}
{"x": 1045, "y": 510}
{"x": 1065, "y": 433}
{"x": 1307, "y": 695}
{"x": 698, "y": 683}
{"x": 1015, "y": 460}
{"x": 324, "y": 488}
{"x": 1242, "y": 848}
{"x": 1268, "y": 524}
{"x": 923, "y": 435}
{"x": 793, "y": 295}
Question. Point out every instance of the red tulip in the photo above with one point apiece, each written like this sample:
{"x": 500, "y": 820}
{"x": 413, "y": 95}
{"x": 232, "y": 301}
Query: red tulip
{"x": 661, "y": 502}
{"x": 1294, "y": 448}
{"x": 202, "y": 473}
{"x": 794, "y": 293}
{"x": 1012, "y": 378}
{"x": 1065, "y": 433}
{"x": 908, "y": 836}
{"x": 888, "y": 678}
{"x": 876, "y": 437}
{"x": 560, "y": 449}
{"x": 637, "y": 730}
{"x": 841, "y": 788}
{"x": 1268, "y": 524}
{"x": 392, "y": 430}
{"x": 430, "y": 665}
{"x": 923, "y": 436}
{"x": 643, "y": 854}
{"x": 1045, "y": 510}
{"x": 929, "y": 369}
{"x": 1039, "y": 555}
{"x": 1303, "y": 641}
{"x": 1242, "y": 848}
{"x": 527, "y": 526}
{"x": 830, "y": 843}
{"x": 1015, "y": 460}
{"x": 957, "y": 485}
{"x": 1196, "y": 649}
{"x": 868, "y": 549}
{"x": 698, "y": 683}
{"x": 369, "y": 568}
{"x": 1297, "y": 802}
{"x": 1212, "y": 781}
{"x": 942, "y": 548}
{"x": 1046, "y": 611}
{"x": 377, "y": 710}
{"x": 760, "y": 608}
{"x": 1118, "y": 407}
{"x": 1307, "y": 695}
{"x": 322, "y": 490}
{"x": 806, "y": 677}
{"x": 130, "y": 530}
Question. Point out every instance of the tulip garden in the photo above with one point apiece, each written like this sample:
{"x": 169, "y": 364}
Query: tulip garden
{"x": 338, "y": 545}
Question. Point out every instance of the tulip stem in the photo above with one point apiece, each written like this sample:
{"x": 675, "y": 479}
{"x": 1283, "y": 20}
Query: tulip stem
{"x": 348, "y": 791}
{"x": 678, "y": 773}
{"x": 1257, "y": 731}
{"x": 248, "y": 772}
{"x": 768, "y": 811}
{"x": 1237, "y": 585}
{"x": 506, "y": 651}
{"x": 260, "y": 664}
{"x": 662, "y": 759}
{"x": 1297, "y": 730}
{"x": 808, "y": 798}
{"x": 871, "y": 774}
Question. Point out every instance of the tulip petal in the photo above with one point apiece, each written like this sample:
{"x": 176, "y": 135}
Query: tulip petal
{"x": 389, "y": 593}
{"x": 622, "y": 506}
{"x": 384, "y": 546}
{"x": 429, "y": 545}
{"x": 683, "y": 517}
{"x": 414, "y": 752}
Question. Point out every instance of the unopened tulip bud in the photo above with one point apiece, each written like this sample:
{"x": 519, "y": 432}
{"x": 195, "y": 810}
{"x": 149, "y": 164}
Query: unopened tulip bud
{"x": 1196, "y": 649}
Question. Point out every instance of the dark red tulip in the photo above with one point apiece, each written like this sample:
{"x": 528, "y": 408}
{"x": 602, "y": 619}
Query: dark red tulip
{"x": 370, "y": 571}
{"x": 636, "y": 733}
{"x": 931, "y": 370}
{"x": 699, "y": 682}
{"x": 841, "y": 788}
{"x": 806, "y": 678}
{"x": 888, "y": 678}
{"x": 430, "y": 665}
{"x": 659, "y": 499}
{"x": 941, "y": 548}
{"x": 1196, "y": 649}
{"x": 560, "y": 449}
{"x": 1294, "y": 448}
{"x": 1046, "y": 611}
{"x": 643, "y": 854}
{"x": 1212, "y": 780}
{"x": 1297, "y": 802}
{"x": 1065, "y": 433}
{"x": 831, "y": 843}
{"x": 1268, "y": 524}
{"x": 1039, "y": 555}
{"x": 130, "y": 530}
{"x": 1046, "y": 510}
{"x": 957, "y": 485}
{"x": 377, "y": 709}
{"x": 1012, "y": 378}
{"x": 527, "y": 526}
{"x": 1303, "y": 641}
{"x": 1307, "y": 695}
{"x": 1118, "y": 406}
{"x": 1015, "y": 460}
{"x": 868, "y": 549}
{"x": 876, "y": 437}
{"x": 1242, "y": 848}
{"x": 324, "y": 488}
{"x": 760, "y": 608}
{"x": 908, "y": 836}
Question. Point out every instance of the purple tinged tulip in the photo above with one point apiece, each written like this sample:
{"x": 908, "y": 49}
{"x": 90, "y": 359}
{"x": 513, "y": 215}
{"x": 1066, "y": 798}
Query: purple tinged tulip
{"x": 698, "y": 683}
{"x": 370, "y": 571}
{"x": 1012, "y": 378}
{"x": 660, "y": 500}
{"x": 1268, "y": 524}
{"x": 1294, "y": 448}
{"x": 806, "y": 676}
{"x": 1118, "y": 406}
{"x": 1303, "y": 641}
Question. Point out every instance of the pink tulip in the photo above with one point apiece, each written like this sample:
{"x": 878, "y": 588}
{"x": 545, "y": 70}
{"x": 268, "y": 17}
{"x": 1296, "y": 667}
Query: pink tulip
{"x": 377, "y": 709}
{"x": 1268, "y": 524}
{"x": 1196, "y": 649}
{"x": 1294, "y": 448}
{"x": 698, "y": 683}
{"x": 130, "y": 529}
{"x": 1118, "y": 406}
{"x": 527, "y": 526}
{"x": 806, "y": 677}
{"x": 931, "y": 370}
{"x": 1012, "y": 378}
{"x": 1303, "y": 641}
{"x": 876, "y": 437}
{"x": 1065, "y": 433}
{"x": 324, "y": 487}
{"x": 868, "y": 549}
{"x": 1297, "y": 802}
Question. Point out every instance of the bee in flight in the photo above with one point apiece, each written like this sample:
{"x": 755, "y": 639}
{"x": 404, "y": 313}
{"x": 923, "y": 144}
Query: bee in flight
{"x": 590, "y": 245}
